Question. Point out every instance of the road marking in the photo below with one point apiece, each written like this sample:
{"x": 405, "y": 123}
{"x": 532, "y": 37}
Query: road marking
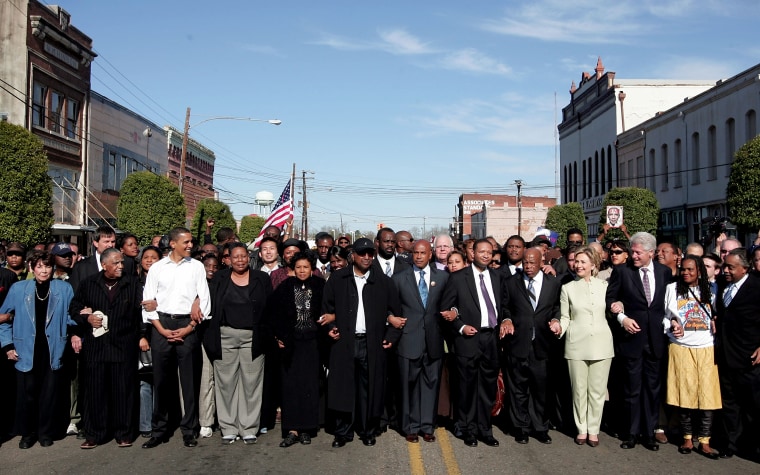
{"x": 452, "y": 467}
{"x": 415, "y": 459}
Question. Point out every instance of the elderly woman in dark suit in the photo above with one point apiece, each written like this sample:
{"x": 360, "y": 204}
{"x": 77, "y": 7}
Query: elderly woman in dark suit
{"x": 233, "y": 341}
{"x": 294, "y": 311}
{"x": 35, "y": 340}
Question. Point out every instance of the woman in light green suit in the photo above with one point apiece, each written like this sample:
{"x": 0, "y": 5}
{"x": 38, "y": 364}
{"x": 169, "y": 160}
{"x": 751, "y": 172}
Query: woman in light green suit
{"x": 588, "y": 343}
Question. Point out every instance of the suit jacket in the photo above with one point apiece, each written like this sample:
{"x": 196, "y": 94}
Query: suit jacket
{"x": 583, "y": 319}
{"x": 460, "y": 292}
{"x": 259, "y": 291}
{"x": 282, "y": 315}
{"x": 398, "y": 266}
{"x": 422, "y": 331}
{"x": 738, "y": 332}
{"x": 7, "y": 278}
{"x": 516, "y": 305}
{"x": 120, "y": 344}
{"x": 625, "y": 286}
{"x": 341, "y": 297}
{"x": 21, "y": 331}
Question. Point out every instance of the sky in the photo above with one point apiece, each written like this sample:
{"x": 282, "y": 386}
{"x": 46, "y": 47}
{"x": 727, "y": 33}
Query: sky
{"x": 395, "y": 108}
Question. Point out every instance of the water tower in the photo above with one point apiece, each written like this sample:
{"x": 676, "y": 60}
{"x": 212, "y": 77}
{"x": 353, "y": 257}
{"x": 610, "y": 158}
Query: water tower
{"x": 264, "y": 200}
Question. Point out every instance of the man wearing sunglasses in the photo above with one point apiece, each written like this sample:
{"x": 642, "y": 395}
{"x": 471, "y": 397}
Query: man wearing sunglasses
{"x": 362, "y": 299}
{"x": 14, "y": 255}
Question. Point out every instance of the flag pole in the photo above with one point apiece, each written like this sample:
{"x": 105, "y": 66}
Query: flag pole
{"x": 292, "y": 182}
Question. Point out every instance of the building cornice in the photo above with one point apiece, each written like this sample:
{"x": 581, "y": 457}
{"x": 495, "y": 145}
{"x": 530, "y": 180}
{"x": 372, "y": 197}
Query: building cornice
{"x": 42, "y": 29}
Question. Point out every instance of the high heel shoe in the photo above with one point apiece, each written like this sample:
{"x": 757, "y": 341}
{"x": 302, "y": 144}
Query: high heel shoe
{"x": 580, "y": 440}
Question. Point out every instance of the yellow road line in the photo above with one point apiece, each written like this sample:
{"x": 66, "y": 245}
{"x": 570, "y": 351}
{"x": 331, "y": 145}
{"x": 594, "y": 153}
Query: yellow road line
{"x": 416, "y": 463}
{"x": 452, "y": 467}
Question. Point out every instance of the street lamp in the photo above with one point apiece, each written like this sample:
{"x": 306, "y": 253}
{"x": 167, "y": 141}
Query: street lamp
{"x": 519, "y": 207}
{"x": 147, "y": 133}
{"x": 183, "y": 160}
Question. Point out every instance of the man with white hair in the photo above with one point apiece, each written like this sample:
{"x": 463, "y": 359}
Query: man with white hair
{"x": 442, "y": 246}
{"x": 636, "y": 297}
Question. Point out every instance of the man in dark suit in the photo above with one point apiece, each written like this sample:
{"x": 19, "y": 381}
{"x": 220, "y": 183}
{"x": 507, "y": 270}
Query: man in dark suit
{"x": 738, "y": 352}
{"x": 515, "y": 250}
{"x": 475, "y": 294}
{"x": 361, "y": 300}
{"x": 109, "y": 358}
{"x": 420, "y": 349}
{"x": 388, "y": 263}
{"x": 104, "y": 238}
{"x": 636, "y": 298}
{"x": 530, "y": 302}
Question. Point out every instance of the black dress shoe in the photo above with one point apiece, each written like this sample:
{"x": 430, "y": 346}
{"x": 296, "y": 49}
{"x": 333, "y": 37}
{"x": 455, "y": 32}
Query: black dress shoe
{"x": 521, "y": 438}
{"x": 81, "y": 435}
{"x": 152, "y": 443}
{"x": 543, "y": 437}
{"x": 339, "y": 442}
{"x": 650, "y": 443}
{"x": 470, "y": 440}
{"x": 27, "y": 442}
{"x": 369, "y": 441}
{"x": 145, "y": 434}
{"x": 724, "y": 454}
{"x": 46, "y": 442}
{"x": 628, "y": 443}
{"x": 490, "y": 441}
{"x": 189, "y": 440}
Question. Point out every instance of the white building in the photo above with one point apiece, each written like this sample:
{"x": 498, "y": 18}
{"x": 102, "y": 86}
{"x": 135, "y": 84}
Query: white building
{"x": 601, "y": 108}
{"x": 684, "y": 154}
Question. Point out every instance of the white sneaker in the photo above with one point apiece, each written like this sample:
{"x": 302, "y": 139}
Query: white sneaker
{"x": 263, "y": 430}
{"x": 72, "y": 430}
{"x": 206, "y": 432}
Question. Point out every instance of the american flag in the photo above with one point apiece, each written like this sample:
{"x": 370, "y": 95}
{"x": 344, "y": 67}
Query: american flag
{"x": 283, "y": 211}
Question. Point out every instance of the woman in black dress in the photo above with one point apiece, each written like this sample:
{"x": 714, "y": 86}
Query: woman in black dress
{"x": 294, "y": 314}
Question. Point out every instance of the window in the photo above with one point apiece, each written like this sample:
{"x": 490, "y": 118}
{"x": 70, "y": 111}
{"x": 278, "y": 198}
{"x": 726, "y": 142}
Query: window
{"x": 730, "y": 143}
{"x": 574, "y": 189}
{"x": 72, "y": 118}
{"x": 712, "y": 154}
{"x": 110, "y": 182}
{"x": 65, "y": 194}
{"x": 596, "y": 173}
{"x": 695, "y": 158}
{"x": 609, "y": 166}
{"x": 650, "y": 178}
{"x": 641, "y": 172}
{"x": 677, "y": 164}
{"x": 38, "y": 104}
{"x": 583, "y": 185}
{"x": 630, "y": 172}
{"x": 603, "y": 176}
{"x": 750, "y": 127}
{"x": 665, "y": 167}
{"x": 117, "y": 166}
{"x": 56, "y": 111}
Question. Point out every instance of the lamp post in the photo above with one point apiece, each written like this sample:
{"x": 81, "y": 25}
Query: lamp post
{"x": 519, "y": 207}
{"x": 183, "y": 160}
{"x": 147, "y": 133}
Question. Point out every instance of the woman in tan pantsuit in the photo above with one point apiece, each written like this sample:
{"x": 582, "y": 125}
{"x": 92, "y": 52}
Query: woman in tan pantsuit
{"x": 588, "y": 343}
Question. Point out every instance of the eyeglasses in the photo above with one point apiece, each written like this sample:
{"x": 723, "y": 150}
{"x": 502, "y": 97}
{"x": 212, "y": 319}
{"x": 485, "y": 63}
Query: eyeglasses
{"x": 617, "y": 252}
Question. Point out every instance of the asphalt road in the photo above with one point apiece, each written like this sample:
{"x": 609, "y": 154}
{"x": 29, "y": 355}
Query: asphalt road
{"x": 391, "y": 455}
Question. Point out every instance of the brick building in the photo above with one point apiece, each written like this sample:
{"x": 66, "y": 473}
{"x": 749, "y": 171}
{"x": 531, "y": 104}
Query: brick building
{"x": 502, "y": 221}
{"x": 199, "y": 169}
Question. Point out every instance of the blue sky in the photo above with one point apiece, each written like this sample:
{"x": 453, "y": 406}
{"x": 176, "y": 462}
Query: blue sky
{"x": 397, "y": 107}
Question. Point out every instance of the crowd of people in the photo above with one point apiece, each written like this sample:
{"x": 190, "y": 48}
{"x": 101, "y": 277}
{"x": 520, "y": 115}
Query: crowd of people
{"x": 632, "y": 337}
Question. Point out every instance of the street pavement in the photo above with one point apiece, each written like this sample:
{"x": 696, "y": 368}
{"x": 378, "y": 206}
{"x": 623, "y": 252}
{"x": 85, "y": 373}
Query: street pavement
{"x": 391, "y": 455}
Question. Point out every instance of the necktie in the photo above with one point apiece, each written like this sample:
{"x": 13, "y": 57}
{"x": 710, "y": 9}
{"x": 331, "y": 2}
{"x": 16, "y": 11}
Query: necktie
{"x": 532, "y": 294}
{"x": 489, "y": 305}
{"x": 423, "y": 289}
{"x": 728, "y": 295}
{"x": 645, "y": 281}
{"x": 534, "y": 303}
{"x": 388, "y": 270}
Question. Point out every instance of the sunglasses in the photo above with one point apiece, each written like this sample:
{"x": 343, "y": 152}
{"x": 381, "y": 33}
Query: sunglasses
{"x": 225, "y": 256}
{"x": 617, "y": 252}
{"x": 14, "y": 253}
{"x": 367, "y": 252}
{"x": 576, "y": 243}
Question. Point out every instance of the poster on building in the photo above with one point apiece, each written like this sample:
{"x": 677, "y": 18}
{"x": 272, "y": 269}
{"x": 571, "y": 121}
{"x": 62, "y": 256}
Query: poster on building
{"x": 615, "y": 216}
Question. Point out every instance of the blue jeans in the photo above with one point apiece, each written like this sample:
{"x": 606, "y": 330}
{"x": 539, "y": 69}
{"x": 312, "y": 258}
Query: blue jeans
{"x": 146, "y": 406}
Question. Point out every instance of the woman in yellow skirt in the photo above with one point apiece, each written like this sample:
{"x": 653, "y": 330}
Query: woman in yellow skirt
{"x": 693, "y": 385}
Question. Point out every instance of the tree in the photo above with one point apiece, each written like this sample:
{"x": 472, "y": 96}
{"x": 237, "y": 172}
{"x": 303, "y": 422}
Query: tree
{"x": 148, "y": 205}
{"x": 742, "y": 191}
{"x": 26, "y": 209}
{"x": 640, "y": 211}
{"x": 211, "y": 208}
{"x": 250, "y": 227}
{"x": 561, "y": 218}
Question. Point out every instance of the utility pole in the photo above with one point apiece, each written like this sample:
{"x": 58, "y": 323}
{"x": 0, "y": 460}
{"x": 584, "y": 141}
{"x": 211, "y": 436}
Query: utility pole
{"x": 304, "y": 213}
{"x": 519, "y": 208}
{"x": 183, "y": 160}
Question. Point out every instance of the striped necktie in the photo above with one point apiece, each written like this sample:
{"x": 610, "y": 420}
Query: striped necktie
{"x": 728, "y": 296}
{"x": 423, "y": 289}
{"x": 388, "y": 270}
